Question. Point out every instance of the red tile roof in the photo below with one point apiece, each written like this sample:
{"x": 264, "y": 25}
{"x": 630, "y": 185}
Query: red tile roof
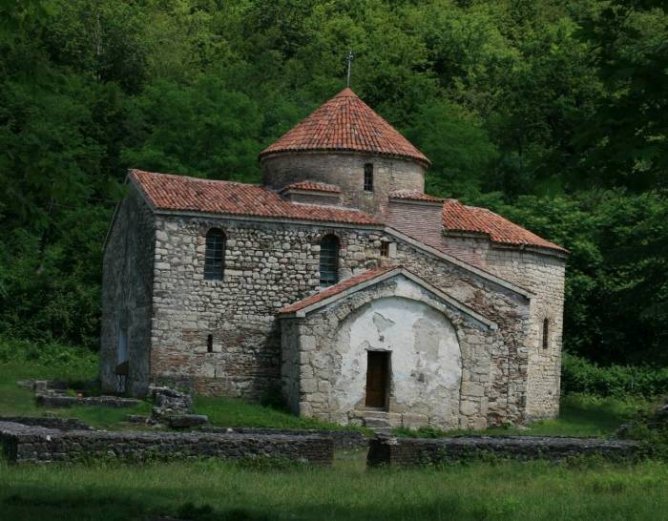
{"x": 175, "y": 192}
{"x": 460, "y": 218}
{"x": 346, "y": 123}
{"x": 181, "y": 193}
{"x": 313, "y": 186}
{"x": 414, "y": 195}
{"x": 337, "y": 288}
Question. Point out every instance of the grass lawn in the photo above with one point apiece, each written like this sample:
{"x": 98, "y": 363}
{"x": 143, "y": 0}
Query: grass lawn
{"x": 210, "y": 490}
{"x": 19, "y": 360}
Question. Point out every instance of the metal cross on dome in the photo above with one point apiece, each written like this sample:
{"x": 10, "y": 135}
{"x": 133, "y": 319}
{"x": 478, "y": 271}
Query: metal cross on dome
{"x": 349, "y": 59}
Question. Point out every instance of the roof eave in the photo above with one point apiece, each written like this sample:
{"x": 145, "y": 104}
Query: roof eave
{"x": 266, "y": 154}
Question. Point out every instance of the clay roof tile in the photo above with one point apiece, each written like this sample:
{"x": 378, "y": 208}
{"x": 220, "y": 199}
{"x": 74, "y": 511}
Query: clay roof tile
{"x": 470, "y": 219}
{"x": 346, "y": 123}
{"x": 181, "y": 193}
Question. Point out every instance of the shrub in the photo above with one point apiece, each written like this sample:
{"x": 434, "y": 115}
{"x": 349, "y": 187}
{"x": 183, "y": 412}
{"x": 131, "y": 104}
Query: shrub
{"x": 581, "y": 376}
{"x": 50, "y": 359}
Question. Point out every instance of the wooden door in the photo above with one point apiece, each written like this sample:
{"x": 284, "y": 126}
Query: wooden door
{"x": 377, "y": 378}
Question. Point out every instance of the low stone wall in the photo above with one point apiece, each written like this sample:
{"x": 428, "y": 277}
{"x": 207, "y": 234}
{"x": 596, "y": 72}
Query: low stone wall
{"x": 420, "y": 451}
{"x": 63, "y": 424}
{"x": 29, "y": 444}
{"x": 61, "y": 400}
{"x": 341, "y": 439}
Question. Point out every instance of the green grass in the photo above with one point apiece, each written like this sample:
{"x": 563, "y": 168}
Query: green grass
{"x": 21, "y": 360}
{"x": 209, "y": 490}
{"x": 228, "y": 412}
{"x": 581, "y": 415}
{"x": 214, "y": 490}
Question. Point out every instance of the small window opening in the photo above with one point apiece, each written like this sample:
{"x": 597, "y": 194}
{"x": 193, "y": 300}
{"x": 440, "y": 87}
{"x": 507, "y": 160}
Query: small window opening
{"x": 384, "y": 249}
{"x": 329, "y": 260}
{"x": 122, "y": 348}
{"x": 546, "y": 332}
{"x": 214, "y": 256}
{"x": 368, "y": 177}
{"x": 209, "y": 344}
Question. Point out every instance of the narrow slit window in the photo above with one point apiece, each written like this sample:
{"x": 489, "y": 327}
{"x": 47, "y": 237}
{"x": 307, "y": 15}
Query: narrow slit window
{"x": 209, "y": 344}
{"x": 214, "y": 257}
{"x": 122, "y": 348}
{"x": 329, "y": 260}
{"x": 368, "y": 177}
{"x": 546, "y": 333}
{"x": 384, "y": 249}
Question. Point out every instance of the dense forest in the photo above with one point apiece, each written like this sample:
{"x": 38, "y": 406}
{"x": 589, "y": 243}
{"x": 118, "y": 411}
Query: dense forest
{"x": 552, "y": 113}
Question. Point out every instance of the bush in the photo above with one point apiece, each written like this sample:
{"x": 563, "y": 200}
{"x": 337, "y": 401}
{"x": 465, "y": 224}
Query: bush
{"x": 50, "y": 359}
{"x": 581, "y": 376}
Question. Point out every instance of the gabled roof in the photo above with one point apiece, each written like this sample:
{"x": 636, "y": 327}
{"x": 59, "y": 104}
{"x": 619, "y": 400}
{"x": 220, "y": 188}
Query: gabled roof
{"x": 331, "y": 291}
{"x": 368, "y": 278}
{"x": 183, "y": 194}
{"x": 313, "y": 186}
{"x": 346, "y": 123}
{"x": 470, "y": 219}
{"x": 190, "y": 194}
{"x": 414, "y": 195}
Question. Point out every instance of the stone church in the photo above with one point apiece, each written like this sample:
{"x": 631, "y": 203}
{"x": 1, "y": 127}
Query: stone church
{"x": 338, "y": 285}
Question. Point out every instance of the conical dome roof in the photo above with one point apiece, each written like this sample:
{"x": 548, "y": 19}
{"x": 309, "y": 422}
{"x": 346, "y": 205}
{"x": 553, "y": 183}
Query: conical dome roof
{"x": 345, "y": 123}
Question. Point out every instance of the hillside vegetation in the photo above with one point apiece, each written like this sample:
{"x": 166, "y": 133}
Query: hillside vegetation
{"x": 551, "y": 113}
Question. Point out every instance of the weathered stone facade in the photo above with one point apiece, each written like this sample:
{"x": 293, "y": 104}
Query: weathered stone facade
{"x": 461, "y": 318}
{"x": 127, "y": 293}
{"x": 444, "y": 358}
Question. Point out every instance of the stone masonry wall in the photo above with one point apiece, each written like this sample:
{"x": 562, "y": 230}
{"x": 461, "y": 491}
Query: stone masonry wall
{"x": 24, "y": 444}
{"x": 416, "y": 451}
{"x": 127, "y": 281}
{"x": 271, "y": 264}
{"x": 346, "y": 170}
{"x": 267, "y": 265}
{"x": 448, "y": 379}
{"x": 544, "y": 275}
{"x": 505, "y": 400}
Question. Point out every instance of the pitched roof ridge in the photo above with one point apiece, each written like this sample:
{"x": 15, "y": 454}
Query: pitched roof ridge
{"x": 408, "y": 193}
{"x": 309, "y": 184}
{"x": 338, "y": 207}
{"x": 198, "y": 179}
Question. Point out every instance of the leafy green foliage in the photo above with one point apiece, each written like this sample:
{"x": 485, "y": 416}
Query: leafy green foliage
{"x": 552, "y": 113}
{"x": 581, "y": 376}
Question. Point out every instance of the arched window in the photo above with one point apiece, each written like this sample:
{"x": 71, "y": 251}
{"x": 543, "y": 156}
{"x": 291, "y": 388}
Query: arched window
{"x": 546, "y": 332}
{"x": 368, "y": 177}
{"x": 329, "y": 260}
{"x": 214, "y": 257}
